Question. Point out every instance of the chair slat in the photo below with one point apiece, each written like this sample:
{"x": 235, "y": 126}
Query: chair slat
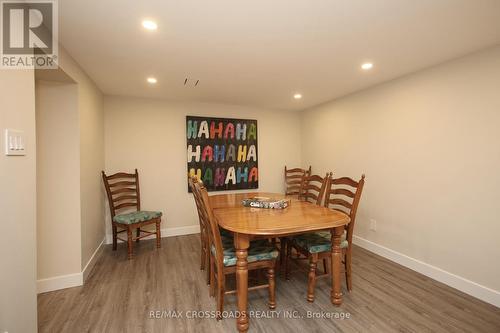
{"x": 126, "y": 204}
{"x": 343, "y": 191}
{"x": 293, "y": 192}
{"x": 121, "y": 175}
{"x": 340, "y": 202}
{"x": 295, "y": 170}
{"x": 125, "y": 197}
{"x": 342, "y": 209}
{"x": 123, "y": 190}
{"x": 297, "y": 177}
{"x": 345, "y": 181}
{"x": 312, "y": 196}
{"x": 312, "y": 187}
{"x": 122, "y": 183}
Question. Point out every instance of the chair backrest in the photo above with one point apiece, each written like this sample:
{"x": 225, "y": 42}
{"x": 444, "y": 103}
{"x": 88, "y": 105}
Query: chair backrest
{"x": 122, "y": 190}
{"x": 201, "y": 216}
{"x": 344, "y": 194}
{"x": 293, "y": 179}
{"x": 215, "y": 240}
{"x": 313, "y": 188}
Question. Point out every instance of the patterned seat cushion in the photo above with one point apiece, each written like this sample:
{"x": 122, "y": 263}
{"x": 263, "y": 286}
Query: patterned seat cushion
{"x": 258, "y": 251}
{"x": 135, "y": 217}
{"x": 225, "y": 233}
{"x": 316, "y": 242}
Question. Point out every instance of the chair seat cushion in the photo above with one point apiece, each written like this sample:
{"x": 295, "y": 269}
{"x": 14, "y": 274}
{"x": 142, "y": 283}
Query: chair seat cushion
{"x": 225, "y": 233}
{"x": 135, "y": 217}
{"x": 259, "y": 250}
{"x": 316, "y": 242}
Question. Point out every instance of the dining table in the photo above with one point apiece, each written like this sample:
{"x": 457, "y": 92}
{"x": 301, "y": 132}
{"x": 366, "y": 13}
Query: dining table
{"x": 247, "y": 223}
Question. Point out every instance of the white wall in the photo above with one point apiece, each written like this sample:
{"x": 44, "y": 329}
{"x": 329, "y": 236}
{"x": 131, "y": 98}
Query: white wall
{"x": 150, "y": 135}
{"x": 58, "y": 179}
{"x": 71, "y": 131}
{"x": 91, "y": 121}
{"x": 429, "y": 145}
{"x": 18, "y": 206}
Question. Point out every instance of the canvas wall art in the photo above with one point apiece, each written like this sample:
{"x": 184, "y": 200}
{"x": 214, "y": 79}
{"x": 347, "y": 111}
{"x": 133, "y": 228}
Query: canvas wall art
{"x": 222, "y": 152}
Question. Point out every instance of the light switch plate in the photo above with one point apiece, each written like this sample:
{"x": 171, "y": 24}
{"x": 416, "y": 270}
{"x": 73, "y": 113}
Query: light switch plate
{"x": 15, "y": 144}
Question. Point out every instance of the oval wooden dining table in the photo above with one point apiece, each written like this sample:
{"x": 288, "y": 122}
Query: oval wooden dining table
{"x": 248, "y": 223}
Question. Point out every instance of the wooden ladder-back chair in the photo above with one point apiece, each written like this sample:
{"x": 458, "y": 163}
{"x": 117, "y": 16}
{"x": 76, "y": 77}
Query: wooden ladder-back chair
{"x": 293, "y": 179}
{"x": 312, "y": 189}
{"x": 205, "y": 253}
{"x": 123, "y": 193}
{"x": 261, "y": 254}
{"x": 342, "y": 194}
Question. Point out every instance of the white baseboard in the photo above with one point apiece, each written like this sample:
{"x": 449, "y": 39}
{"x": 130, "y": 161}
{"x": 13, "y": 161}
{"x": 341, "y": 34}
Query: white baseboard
{"x": 59, "y": 282}
{"x": 93, "y": 259}
{"x": 77, "y": 279}
{"x": 469, "y": 287}
{"x": 167, "y": 232}
{"x": 69, "y": 280}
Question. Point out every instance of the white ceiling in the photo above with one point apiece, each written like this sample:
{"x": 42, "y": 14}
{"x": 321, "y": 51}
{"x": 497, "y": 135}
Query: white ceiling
{"x": 260, "y": 52}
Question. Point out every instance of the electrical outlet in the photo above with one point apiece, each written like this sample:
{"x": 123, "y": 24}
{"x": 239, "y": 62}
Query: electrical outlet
{"x": 373, "y": 225}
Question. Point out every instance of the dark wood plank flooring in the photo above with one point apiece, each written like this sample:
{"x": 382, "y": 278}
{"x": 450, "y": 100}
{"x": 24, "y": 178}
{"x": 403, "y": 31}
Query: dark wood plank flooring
{"x": 120, "y": 295}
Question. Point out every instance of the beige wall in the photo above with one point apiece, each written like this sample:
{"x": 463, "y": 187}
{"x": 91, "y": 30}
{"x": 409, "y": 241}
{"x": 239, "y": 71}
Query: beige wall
{"x": 58, "y": 179}
{"x": 71, "y": 132}
{"x": 429, "y": 145}
{"x": 150, "y": 135}
{"x": 91, "y": 121}
{"x": 18, "y": 206}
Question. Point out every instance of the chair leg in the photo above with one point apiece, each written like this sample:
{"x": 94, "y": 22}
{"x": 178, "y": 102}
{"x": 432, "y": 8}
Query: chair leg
{"x": 325, "y": 266}
{"x": 207, "y": 264}
{"x": 288, "y": 247}
{"x": 202, "y": 250}
{"x": 282, "y": 252}
{"x": 137, "y": 234}
{"x": 115, "y": 231}
{"x": 212, "y": 277}
{"x": 347, "y": 260}
{"x": 272, "y": 287}
{"x": 158, "y": 234}
{"x": 313, "y": 261}
{"x": 130, "y": 244}
{"x": 220, "y": 295}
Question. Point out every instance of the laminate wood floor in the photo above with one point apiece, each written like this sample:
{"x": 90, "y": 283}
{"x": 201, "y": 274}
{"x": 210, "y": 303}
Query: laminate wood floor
{"x": 120, "y": 295}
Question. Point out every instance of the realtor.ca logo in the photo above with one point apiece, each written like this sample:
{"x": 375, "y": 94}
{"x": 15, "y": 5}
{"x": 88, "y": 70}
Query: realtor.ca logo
{"x": 29, "y": 34}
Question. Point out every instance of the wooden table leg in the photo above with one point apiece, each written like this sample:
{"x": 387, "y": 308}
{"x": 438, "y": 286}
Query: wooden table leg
{"x": 336, "y": 294}
{"x": 241, "y": 244}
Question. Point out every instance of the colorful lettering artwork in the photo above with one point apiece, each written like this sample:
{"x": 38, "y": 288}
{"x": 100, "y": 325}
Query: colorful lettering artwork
{"x": 222, "y": 152}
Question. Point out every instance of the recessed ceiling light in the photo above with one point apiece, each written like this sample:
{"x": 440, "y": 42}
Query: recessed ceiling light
{"x": 367, "y": 65}
{"x": 152, "y": 80}
{"x": 150, "y": 25}
{"x": 297, "y": 96}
